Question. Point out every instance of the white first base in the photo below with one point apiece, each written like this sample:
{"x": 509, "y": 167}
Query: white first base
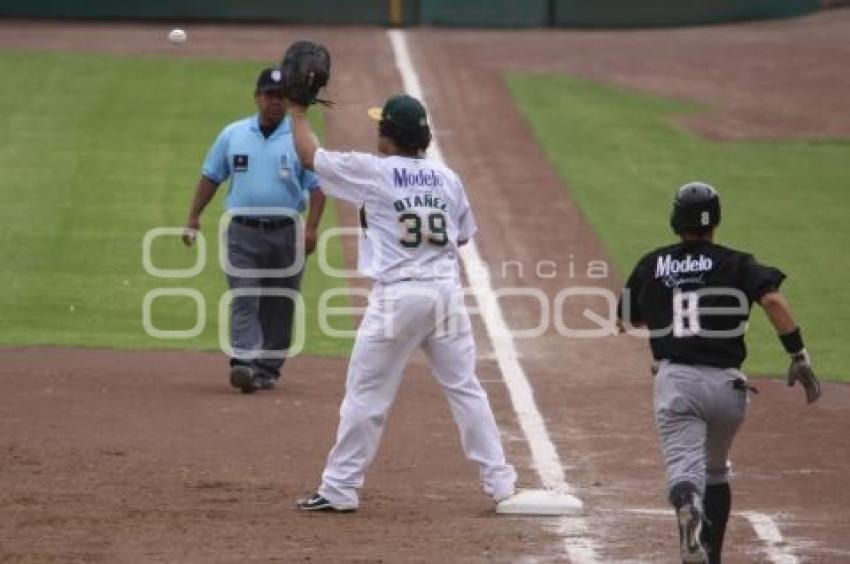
{"x": 540, "y": 502}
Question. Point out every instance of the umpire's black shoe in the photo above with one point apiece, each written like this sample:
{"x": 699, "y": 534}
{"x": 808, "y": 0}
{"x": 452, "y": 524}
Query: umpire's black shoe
{"x": 265, "y": 381}
{"x": 318, "y": 503}
{"x": 242, "y": 377}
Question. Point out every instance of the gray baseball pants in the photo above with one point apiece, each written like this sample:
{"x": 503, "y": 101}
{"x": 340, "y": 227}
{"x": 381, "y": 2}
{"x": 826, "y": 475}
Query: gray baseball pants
{"x": 698, "y": 411}
{"x": 261, "y": 322}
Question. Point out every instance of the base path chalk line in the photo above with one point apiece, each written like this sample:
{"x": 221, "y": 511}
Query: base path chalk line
{"x": 776, "y": 548}
{"x": 574, "y": 530}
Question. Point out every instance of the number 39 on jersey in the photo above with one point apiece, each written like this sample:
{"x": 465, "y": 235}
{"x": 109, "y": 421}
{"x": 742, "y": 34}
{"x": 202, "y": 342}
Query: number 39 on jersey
{"x": 419, "y": 228}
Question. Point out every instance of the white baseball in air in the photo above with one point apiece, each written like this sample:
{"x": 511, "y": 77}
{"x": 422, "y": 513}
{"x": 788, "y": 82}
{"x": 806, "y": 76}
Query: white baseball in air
{"x": 177, "y": 36}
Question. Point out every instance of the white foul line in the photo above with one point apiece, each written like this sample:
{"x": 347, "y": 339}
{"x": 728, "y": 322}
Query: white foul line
{"x": 777, "y": 550}
{"x": 544, "y": 456}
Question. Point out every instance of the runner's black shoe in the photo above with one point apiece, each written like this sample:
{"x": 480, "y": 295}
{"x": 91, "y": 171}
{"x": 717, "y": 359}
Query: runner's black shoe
{"x": 689, "y": 516}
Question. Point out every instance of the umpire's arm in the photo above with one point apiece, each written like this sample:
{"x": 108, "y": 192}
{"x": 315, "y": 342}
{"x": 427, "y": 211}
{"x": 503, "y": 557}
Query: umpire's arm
{"x": 204, "y": 192}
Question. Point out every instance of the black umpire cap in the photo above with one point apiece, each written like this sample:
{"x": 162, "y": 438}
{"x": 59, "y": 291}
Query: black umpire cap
{"x": 269, "y": 80}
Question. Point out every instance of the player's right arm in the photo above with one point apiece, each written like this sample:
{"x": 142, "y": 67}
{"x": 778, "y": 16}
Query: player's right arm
{"x": 466, "y": 225}
{"x": 214, "y": 171}
{"x": 629, "y": 315}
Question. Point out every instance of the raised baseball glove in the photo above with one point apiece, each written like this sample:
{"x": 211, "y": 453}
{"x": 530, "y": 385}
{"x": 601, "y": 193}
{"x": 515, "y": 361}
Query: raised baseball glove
{"x": 801, "y": 371}
{"x": 306, "y": 68}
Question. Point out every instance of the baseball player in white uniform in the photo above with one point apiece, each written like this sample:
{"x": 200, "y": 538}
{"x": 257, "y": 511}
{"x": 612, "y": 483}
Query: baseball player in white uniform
{"x": 415, "y": 215}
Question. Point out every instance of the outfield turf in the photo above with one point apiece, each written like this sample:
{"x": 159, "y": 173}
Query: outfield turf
{"x": 97, "y": 150}
{"x": 622, "y": 156}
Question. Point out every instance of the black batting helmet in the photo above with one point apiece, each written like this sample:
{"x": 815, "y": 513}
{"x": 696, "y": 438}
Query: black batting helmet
{"x": 696, "y": 208}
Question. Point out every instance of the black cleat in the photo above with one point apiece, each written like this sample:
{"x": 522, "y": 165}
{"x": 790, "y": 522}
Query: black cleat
{"x": 689, "y": 516}
{"x": 318, "y": 503}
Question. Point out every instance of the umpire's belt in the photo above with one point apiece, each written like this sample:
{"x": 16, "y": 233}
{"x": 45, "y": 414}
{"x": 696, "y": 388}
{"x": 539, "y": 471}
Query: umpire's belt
{"x": 263, "y": 222}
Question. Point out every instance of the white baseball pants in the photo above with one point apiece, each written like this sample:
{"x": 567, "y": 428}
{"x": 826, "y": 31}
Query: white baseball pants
{"x": 400, "y": 318}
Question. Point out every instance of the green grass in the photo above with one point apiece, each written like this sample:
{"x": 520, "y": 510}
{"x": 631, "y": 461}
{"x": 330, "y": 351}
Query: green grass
{"x": 787, "y": 202}
{"x": 96, "y": 150}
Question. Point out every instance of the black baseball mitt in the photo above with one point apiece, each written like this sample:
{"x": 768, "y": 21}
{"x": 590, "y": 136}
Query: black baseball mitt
{"x": 306, "y": 68}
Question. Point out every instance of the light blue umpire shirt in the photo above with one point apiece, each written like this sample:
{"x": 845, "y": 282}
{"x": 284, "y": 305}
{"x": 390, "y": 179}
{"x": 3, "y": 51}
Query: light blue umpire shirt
{"x": 263, "y": 172}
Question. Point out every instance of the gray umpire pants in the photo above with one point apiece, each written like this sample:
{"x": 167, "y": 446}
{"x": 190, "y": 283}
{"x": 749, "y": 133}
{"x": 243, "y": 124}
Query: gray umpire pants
{"x": 698, "y": 411}
{"x": 261, "y": 322}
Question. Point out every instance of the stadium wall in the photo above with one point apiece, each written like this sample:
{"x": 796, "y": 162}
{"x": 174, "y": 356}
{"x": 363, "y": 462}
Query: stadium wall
{"x": 352, "y": 12}
{"x": 460, "y": 13}
{"x": 653, "y": 13}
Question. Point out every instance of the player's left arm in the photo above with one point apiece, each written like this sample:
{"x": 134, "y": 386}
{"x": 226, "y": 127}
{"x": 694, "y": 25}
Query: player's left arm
{"x": 779, "y": 313}
{"x": 350, "y": 176}
{"x": 314, "y": 216}
{"x": 306, "y": 141}
{"x": 761, "y": 285}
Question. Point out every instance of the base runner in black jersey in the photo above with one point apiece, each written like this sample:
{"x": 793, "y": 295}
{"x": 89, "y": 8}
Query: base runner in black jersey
{"x": 695, "y": 297}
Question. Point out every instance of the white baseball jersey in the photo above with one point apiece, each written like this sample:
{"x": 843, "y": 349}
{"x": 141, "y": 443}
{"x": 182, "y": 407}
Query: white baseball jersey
{"x": 416, "y": 211}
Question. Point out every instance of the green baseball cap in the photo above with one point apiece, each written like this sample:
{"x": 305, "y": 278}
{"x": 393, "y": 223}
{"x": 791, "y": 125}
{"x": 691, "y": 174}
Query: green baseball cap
{"x": 402, "y": 110}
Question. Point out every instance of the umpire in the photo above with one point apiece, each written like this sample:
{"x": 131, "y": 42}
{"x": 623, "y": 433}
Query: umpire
{"x": 258, "y": 155}
{"x": 695, "y": 298}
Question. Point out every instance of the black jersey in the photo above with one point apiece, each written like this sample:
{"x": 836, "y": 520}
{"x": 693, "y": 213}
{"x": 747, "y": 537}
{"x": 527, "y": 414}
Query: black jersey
{"x": 695, "y": 297}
